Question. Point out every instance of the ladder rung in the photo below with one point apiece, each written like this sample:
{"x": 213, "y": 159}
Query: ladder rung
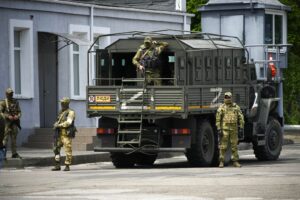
{"x": 132, "y": 90}
{"x": 131, "y": 111}
{"x": 130, "y": 121}
{"x": 133, "y": 80}
{"x": 128, "y": 142}
{"x": 129, "y": 132}
{"x": 132, "y": 101}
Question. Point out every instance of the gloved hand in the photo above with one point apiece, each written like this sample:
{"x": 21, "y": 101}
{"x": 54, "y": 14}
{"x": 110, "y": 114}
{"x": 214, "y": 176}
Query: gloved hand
{"x": 220, "y": 132}
{"x": 56, "y": 125}
{"x": 241, "y": 133}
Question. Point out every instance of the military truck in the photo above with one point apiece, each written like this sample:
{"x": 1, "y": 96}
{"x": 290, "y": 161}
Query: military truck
{"x": 139, "y": 120}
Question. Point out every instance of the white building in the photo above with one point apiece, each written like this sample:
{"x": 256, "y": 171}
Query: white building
{"x": 37, "y": 62}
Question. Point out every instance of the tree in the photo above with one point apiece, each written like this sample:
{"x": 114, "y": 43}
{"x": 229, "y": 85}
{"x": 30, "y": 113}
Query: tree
{"x": 291, "y": 99}
{"x": 192, "y": 7}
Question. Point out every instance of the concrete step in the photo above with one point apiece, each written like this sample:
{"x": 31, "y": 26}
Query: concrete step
{"x": 39, "y": 145}
{"x": 43, "y": 138}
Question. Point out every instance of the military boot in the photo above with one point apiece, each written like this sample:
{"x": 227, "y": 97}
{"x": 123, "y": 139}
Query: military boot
{"x": 16, "y": 155}
{"x": 221, "y": 165}
{"x": 67, "y": 168}
{"x": 237, "y": 164}
{"x": 56, "y": 167}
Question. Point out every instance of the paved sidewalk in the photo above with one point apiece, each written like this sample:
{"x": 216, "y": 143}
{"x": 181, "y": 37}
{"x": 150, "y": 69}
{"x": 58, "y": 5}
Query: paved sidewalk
{"x": 44, "y": 157}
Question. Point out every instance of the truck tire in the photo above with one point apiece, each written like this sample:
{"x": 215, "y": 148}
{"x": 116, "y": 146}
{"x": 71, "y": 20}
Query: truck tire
{"x": 121, "y": 160}
{"x": 204, "y": 152}
{"x": 143, "y": 159}
{"x": 273, "y": 145}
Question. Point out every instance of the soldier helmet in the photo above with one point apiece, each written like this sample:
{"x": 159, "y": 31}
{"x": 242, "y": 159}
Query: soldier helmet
{"x": 228, "y": 95}
{"x": 65, "y": 100}
{"x": 9, "y": 91}
{"x": 148, "y": 39}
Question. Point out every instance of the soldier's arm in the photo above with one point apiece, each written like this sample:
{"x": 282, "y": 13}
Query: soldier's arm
{"x": 2, "y": 110}
{"x": 136, "y": 58}
{"x": 69, "y": 121}
{"x": 19, "y": 113}
{"x": 219, "y": 118}
{"x": 161, "y": 46}
{"x": 241, "y": 118}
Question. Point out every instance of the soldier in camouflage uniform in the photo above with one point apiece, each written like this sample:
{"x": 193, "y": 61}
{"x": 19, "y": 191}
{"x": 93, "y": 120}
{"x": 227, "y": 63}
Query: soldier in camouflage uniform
{"x": 146, "y": 59}
{"x": 64, "y": 127}
{"x": 11, "y": 112}
{"x": 229, "y": 119}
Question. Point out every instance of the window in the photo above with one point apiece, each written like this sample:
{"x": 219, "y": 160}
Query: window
{"x": 273, "y": 29}
{"x": 76, "y": 69}
{"x": 17, "y": 59}
{"x": 21, "y": 58}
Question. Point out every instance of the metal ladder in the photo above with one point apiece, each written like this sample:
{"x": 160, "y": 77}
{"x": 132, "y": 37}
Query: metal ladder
{"x": 130, "y": 120}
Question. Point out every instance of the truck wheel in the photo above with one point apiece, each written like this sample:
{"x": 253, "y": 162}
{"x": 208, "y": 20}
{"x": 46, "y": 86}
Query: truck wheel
{"x": 143, "y": 159}
{"x": 202, "y": 153}
{"x": 121, "y": 160}
{"x": 273, "y": 145}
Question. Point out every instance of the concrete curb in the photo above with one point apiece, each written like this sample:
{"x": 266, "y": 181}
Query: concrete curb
{"x": 49, "y": 161}
{"x": 89, "y": 158}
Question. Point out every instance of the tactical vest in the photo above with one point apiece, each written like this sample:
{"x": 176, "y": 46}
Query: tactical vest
{"x": 149, "y": 58}
{"x": 12, "y": 107}
{"x": 230, "y": 114}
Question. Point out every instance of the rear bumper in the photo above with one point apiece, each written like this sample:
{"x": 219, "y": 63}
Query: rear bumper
{"x": 128, "y": 150}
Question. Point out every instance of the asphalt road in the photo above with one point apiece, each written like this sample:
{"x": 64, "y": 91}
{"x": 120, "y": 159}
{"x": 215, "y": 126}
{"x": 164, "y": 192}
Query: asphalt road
{"x": 169, "y": 179}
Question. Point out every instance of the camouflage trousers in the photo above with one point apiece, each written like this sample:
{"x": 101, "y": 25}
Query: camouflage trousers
{"x": 63, "y": 141}
{"x": 11, "y": 130}
{"x": 232, "y": 137}
{"x": 153, "y": 76}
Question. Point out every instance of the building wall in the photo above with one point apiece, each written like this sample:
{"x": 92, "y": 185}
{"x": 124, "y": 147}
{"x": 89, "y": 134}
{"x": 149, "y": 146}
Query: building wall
{"x": 60, "y": 18}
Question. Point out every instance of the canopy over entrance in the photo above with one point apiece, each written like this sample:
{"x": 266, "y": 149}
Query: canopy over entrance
{"x": 69, "y": 39}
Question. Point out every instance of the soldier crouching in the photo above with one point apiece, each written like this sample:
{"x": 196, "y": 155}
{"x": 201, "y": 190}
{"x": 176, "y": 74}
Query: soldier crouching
{"x": 229, "y": 119}
{"x": 64, "y": 132}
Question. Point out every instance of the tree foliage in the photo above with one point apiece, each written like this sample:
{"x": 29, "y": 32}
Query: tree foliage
{"x": 291, "y": 85}
{"x": 192, "y": 7}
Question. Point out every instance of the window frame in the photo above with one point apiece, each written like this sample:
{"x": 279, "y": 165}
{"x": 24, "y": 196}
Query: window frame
{"x": 283, "y": 29}
{"x": 25, "y": 27}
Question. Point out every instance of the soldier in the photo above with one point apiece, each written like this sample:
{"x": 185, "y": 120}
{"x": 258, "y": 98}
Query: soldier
{"x": 146, "y": 59}
{"x": 11, "y": 113}
{"x": 64, "y": 132}
{"x": 228, "y": 119}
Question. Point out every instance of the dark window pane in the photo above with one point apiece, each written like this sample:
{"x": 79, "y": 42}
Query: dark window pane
{"x": 17, "y": 35}
{"x": 17, "y": 72}
{"x": 268, "y": 29}
{"x": 76, "y": 73}
{"x": 75, "y": 47}
{"x": 278, "y": 29}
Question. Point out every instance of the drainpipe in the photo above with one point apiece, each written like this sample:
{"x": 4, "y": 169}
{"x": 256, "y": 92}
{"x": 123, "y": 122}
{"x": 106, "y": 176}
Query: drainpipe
{"x": 91, "y": 70}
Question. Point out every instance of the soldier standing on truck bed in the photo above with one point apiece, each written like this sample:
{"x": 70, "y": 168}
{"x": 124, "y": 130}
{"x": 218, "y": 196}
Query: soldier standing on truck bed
{"x": 229, "y": 120}
{"x": 146, "y": 59}
{"x": 11, "y": 112}
{"x": 64, "y": 132}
